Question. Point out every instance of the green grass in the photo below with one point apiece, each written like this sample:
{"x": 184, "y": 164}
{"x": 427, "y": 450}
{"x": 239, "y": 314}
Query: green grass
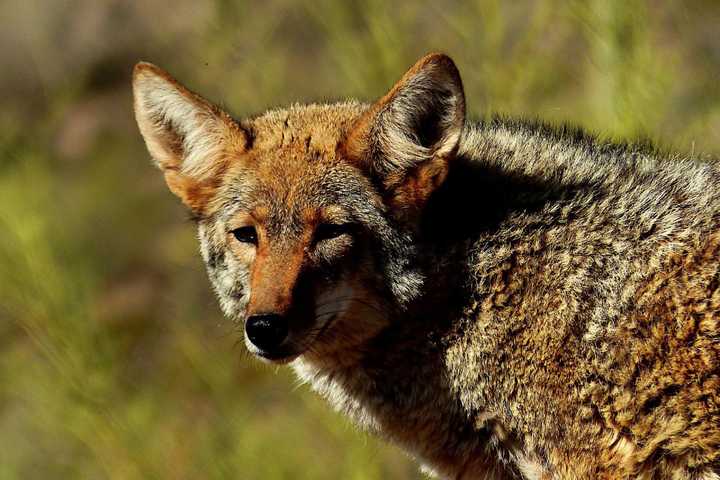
{"x": 114, "y": 359}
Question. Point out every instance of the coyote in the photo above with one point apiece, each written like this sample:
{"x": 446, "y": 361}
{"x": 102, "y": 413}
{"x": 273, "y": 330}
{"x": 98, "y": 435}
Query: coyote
{"x": 501, "y": 298}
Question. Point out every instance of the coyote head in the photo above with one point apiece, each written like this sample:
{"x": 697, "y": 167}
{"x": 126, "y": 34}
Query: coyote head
{"x": 308, "y": 217}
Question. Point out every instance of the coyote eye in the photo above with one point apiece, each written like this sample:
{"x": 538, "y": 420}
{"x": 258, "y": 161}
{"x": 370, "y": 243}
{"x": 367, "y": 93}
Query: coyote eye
{"x": 246, "y": 235}
{"x": 327, "y": 231}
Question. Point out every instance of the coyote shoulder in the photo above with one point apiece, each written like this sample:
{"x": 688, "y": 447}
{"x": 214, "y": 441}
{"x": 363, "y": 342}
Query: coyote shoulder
{"x": 503, "y": 299}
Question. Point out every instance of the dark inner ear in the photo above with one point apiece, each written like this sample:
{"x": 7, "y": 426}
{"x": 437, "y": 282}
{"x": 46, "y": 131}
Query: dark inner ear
{"x": 428, "y": 127}
{"x": 176, "y": 141}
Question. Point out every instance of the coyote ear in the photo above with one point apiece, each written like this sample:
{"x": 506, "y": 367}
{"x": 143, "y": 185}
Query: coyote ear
{"x": 186, "y": 135}
{"x": 408, "y": 136}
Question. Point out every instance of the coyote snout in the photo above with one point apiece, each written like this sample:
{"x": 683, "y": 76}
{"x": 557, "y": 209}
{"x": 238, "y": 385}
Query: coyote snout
{"x": 280, "y": 310}
{"x": 266, "y": 332}
{"x": 293, "y": 297}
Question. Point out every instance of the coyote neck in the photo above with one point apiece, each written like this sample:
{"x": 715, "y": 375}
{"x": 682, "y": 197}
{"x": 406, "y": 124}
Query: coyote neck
{"x": 399, "y": 388}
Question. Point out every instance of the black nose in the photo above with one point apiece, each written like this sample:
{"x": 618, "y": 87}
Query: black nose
{"x": 267, "y": 331}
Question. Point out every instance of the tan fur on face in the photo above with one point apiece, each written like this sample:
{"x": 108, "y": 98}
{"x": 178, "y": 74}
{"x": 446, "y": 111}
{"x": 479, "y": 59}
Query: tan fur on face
{"x": 354, "y": 315}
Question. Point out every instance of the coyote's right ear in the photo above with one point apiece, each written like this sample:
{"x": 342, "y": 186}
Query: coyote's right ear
{"x": 187, "y": 136}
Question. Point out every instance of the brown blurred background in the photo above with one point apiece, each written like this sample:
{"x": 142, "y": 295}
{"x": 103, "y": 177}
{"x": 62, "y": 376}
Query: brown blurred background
{"x": 114, "y": 359}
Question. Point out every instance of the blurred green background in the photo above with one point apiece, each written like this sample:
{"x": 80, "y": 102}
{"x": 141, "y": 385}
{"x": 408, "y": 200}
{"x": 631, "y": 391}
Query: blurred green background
{"x": 114, "y": 359}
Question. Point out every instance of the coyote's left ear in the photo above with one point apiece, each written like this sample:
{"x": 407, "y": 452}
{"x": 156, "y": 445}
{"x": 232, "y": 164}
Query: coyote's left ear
{"x": 407, "y": 138}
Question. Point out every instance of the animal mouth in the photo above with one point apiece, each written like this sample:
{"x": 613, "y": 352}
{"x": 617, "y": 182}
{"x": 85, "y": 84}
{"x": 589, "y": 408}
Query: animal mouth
{"x": 287, "y": 355}
{"x": 277, "y": 357}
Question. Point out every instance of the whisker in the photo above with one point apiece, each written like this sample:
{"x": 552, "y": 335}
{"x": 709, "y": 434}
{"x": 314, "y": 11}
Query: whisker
{"x": 342, "y": 299}
{"x": 357, "y": 301}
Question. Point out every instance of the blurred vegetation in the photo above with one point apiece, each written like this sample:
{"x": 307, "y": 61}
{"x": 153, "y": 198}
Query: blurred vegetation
{"x": 114, "y": 359}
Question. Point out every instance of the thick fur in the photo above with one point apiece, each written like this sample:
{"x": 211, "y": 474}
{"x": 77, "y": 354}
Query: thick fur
{"x": 510, "y": 300}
